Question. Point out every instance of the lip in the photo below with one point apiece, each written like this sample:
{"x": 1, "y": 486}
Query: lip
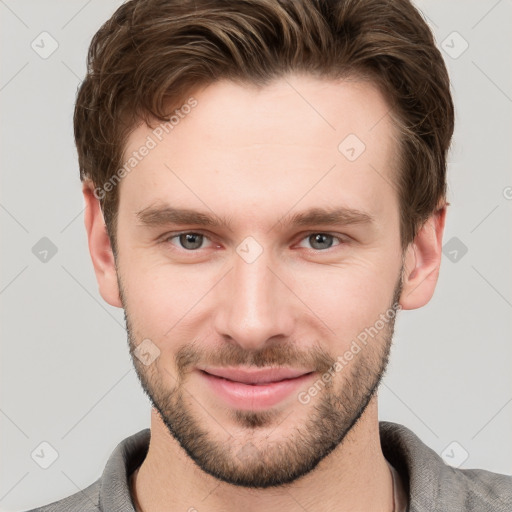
{"x": 254, "y": 390}
{"x": 255, "y": 376}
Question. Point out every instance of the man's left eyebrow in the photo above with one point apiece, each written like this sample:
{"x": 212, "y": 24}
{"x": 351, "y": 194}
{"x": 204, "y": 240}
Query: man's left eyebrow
{"x": 327, "y": 216}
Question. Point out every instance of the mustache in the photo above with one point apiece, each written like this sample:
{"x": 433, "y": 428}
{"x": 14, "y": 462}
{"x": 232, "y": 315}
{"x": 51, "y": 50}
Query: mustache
{"x": 287, "y": 354}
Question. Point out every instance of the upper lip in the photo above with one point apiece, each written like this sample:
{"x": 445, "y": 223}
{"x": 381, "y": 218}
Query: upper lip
{"x": 255, "y": 376}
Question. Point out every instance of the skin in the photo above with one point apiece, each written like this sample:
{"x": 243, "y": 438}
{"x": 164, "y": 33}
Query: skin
{"x": 255, "y": 156}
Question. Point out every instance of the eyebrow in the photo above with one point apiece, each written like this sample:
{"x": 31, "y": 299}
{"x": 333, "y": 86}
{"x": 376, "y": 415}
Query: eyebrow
{"x": 154, "y": 216}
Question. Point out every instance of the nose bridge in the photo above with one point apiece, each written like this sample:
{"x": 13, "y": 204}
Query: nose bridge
{"x": 255, "y": 305}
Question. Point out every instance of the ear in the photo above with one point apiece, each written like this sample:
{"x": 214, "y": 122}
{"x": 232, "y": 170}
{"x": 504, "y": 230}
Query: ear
{"x": 100, "y": 248}
{"x": 422, "y": 261}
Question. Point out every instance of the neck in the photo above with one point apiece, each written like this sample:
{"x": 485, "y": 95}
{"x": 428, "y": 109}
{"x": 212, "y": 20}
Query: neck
{"x": 354, "y": 476}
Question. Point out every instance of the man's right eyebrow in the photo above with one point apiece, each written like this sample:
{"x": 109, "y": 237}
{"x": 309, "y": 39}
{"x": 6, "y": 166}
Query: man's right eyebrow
{"x": 155, "y": 216}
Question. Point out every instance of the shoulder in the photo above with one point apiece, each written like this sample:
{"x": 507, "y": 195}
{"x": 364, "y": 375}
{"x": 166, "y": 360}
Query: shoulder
{"x": 433, "y": 485}
{"x": 111, "y": 491}
{"x": 86, "y": 500}
{"x": 476, "y": 489}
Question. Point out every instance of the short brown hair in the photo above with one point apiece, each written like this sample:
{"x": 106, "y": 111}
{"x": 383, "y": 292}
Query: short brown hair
{"x": 150, "y": 54}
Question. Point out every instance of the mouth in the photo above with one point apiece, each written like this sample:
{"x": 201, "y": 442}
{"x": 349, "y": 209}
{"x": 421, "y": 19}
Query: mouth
{"x": 254, "y": 390}
{"x": 256, "y": 376}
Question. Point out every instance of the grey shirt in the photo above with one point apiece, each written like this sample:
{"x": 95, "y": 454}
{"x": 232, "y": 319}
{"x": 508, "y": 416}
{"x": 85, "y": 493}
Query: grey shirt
{"x": 430, "y": 484}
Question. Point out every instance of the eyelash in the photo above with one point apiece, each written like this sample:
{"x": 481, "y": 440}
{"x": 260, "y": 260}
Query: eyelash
{"x": 169, "y": 237}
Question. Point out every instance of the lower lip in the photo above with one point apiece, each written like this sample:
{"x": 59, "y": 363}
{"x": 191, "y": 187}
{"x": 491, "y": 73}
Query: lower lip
{"x": 250, "y": 397}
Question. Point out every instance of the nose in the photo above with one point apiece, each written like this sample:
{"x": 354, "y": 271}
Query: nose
{"x": 255, "y": 305}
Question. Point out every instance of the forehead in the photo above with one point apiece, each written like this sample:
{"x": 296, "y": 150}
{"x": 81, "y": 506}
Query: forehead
{"x": 242, "y": 149}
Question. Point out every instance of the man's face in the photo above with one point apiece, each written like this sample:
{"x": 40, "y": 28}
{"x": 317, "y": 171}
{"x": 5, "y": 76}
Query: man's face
{"x": 263, "y": 291}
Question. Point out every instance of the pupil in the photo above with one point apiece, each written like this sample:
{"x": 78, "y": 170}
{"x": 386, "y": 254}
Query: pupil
{"x": 191, "y": 240}
{"x": 321, "y": 238}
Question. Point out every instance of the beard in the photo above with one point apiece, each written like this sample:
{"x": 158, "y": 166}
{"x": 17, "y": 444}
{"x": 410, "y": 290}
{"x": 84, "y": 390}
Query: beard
{"x": 250, "y": 459}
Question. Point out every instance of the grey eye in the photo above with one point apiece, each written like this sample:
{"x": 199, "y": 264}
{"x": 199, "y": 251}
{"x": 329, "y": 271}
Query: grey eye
{"x": 191, "y": 241}
{"x": 321, "y": 241}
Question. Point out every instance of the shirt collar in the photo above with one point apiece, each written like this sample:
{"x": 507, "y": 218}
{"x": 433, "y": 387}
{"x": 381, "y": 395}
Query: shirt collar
{"x": 125, "y": 459}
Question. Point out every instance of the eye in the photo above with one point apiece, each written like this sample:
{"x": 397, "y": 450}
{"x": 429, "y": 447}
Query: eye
{"x": 192, "y": 241}
{"x": 189, "y": 241}
{"x": 322, "y": 241}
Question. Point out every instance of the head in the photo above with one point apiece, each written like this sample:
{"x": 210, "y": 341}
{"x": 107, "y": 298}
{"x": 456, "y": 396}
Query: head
{"x": 265, "y": 186}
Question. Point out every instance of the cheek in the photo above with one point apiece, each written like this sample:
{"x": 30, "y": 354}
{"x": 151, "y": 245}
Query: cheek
{"x": 346, "y": 299}
{"x": 160, "y": 303}
{"x": 160, "y": 298}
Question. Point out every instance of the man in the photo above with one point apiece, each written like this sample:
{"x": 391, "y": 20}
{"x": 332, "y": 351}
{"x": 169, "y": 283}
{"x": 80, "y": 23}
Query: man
{"x": 265, "y": 184}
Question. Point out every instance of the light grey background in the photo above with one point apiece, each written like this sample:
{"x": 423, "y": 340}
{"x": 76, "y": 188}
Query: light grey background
{"x": 66, "y": 377}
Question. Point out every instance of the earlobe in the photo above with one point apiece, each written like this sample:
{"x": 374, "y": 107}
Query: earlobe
{"x": 422, "y": 262}
{"x": 100, "y": 248}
